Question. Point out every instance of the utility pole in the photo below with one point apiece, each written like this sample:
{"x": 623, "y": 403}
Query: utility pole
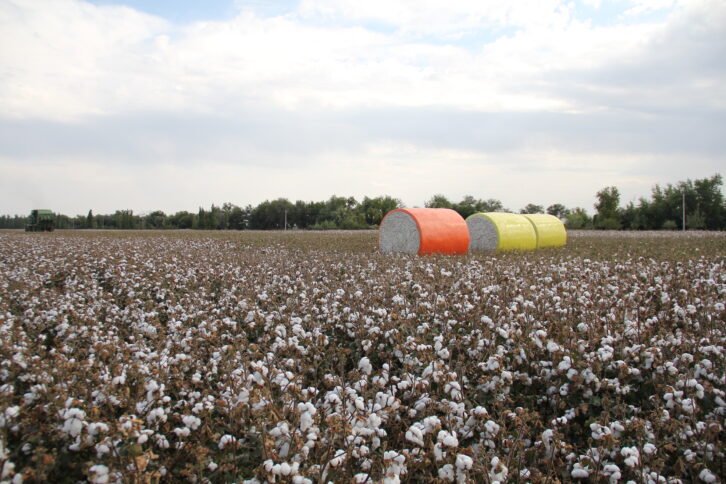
{"x": 683, "y": 193}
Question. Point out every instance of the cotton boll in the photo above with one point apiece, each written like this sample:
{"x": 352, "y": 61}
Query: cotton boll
{"x": 191, "y": 421}
{"x": 447, "y": 473}
{"x": 632, "y": 456}
{"x": 498, "y": 471}
{"x": 338, "y": 458}
{"x": 707, "y": 476}
{"x": 464, "y": 462}
{"x": 226, "y": 441}
{"x": 73, "y": 423}
{"x": 447, "y": 439}
{"x": 365, "y": 366}
{"x": 579, "y": 472}
{"x": 98, "y": 474}
{"x": 415, "y": 434}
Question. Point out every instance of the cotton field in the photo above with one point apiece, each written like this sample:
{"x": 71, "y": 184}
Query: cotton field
{"x": 309, "y": 357}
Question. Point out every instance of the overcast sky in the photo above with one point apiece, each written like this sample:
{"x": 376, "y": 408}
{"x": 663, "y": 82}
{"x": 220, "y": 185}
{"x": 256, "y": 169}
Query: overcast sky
{"x": 176, "y": 104}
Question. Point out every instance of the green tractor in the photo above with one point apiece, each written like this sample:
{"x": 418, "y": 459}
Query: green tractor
{"x": 41, "y": 221}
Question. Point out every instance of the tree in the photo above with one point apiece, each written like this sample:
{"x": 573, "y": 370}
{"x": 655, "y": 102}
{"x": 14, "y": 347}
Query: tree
{"x": 532, "y": 208}
{"x": 438, "y": 201}
{"x": 577, "y": 218}
{"x": 467, "y": 206}
{"x": 607, "y": 216}
{"x": 491, "y": 205}
{"x": 558, "y": 210}
{"x": 709, "y": 203}
{"x": 90, "y": 223}
{"x": 237, "y": 218}
{"x": 155, "y": 220}
{"x": 271, "y": 214}
{"x": 182, "y": 220}
{"x": 125, "y": 219}
{"x": 374, "y": 209}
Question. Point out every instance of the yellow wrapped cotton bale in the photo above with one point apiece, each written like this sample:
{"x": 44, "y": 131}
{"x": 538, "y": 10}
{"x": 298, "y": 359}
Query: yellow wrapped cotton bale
{"x": 549, "y": 229}
{"x": 500, "y": 231}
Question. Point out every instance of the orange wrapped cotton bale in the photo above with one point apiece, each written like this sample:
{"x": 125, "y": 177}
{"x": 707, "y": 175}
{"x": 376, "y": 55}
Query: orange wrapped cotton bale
{"x": 423, "y": 231}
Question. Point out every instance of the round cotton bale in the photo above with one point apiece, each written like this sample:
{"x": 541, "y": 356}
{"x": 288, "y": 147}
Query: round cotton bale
{"x": 500, "y": 231}
{"x": 423, "y": 231}
{"x": 550, "y": 230}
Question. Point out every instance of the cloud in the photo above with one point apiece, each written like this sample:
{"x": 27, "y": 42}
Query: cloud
{"x": 355, "y": 97}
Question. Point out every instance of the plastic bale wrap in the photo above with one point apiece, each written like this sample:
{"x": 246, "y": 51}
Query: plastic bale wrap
{"x": 500, "y": 231}
{"x": 423, "y": 231}
{"x": 549, "y": 229}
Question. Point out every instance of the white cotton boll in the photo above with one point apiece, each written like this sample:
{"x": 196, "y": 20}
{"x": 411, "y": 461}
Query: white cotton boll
{"x": 464, "y": 462}
{"x": 191, "y": 421}
{"x": 552, "y": 347}
{"x": 688, "y": 406}
{"x": 498, "y": 470}
{"x": 212, "y": 466}
{"x": 182, "y": 432}
{"x": 73, "y": 421}
{"x": 365, "y": 366}
{"x": 649, "y": 448}
{"x": 162, "y": 442}
{"x": 447, "y": 473}
{"x": 226, "y": 440}
{"x": 361, "y": 478}
{"x": 579, "y": 472}
{"x": 73, "y": 427}
{"x": 565, "y": 364}
{"x": 707, "y": 476}
{"x": 14, "y": 411}
{"x": 492, "y": 428}
{"x": 99, "y": 474}
{"x": 690, "y": 455}
{"x": 632, "y": 456}
{"x": 157, "y": 414}
{"x": 439, "y": 453}
{"x": 101, "y": 450}
{"x": 414, "y": 434}
{"x": 447, "y": 439}
{"x": 7, "y": 470}
{"x": 613, "y": 471}
{"x": 96, "y": 428}
{"x": 431, "y": 423}
{"x": 338, "y": 459}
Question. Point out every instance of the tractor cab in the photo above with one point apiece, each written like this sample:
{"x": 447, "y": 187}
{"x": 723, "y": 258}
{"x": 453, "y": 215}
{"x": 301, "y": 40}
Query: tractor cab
{"x": 41, "y": 221}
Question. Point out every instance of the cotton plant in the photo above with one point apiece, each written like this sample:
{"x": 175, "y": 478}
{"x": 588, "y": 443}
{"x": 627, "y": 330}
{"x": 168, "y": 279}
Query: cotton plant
{"x": 316, "y": 365}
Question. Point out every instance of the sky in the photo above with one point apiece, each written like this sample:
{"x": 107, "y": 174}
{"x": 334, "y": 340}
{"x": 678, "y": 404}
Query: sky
{"x": 175, "y": 104}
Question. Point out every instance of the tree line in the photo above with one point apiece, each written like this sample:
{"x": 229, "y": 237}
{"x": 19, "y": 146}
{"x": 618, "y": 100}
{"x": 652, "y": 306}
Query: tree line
{"x": 335, "y": 213}
{"x": 704, "y": 202}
